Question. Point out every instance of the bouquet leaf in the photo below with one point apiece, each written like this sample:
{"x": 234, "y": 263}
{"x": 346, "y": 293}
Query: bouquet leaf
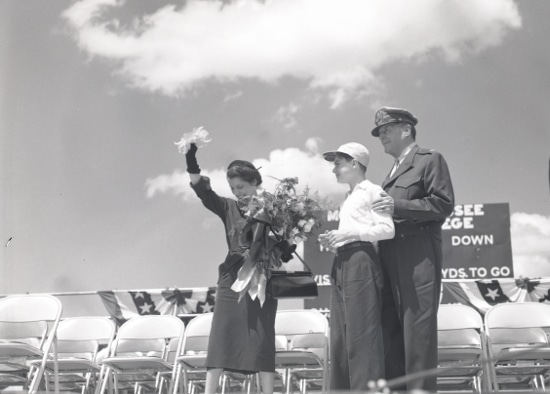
{"x": 291, "y": 217}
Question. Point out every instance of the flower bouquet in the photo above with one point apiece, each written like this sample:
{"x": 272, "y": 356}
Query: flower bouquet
{"x": 278, "y": 222}
{"x": 198, "y": 136}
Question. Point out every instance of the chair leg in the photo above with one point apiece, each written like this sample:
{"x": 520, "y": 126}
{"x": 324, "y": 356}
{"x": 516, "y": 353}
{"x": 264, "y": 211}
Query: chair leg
{"x": 186, "y": 383}
{"x": 46, "y": 381}
{"x": 174, "y": 382}
{"x": 538, "y": 381}
{"x": 288, "y": 381}
{"x": 159, "y": 383}
{"x": 250, "y": 382}
{"x": 99, "y": 380}
{"x": 102, "y": 383}
{"x": 224, "y": 383}
{"x": 477, "y": 384}
{"x": 115, "y": 381}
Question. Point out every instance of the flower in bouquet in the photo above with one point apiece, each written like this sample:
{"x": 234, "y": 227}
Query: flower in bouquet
{"x": 278, "y": 221}
{"x": 198, "y": 136}
{"x": 289, "y": 215}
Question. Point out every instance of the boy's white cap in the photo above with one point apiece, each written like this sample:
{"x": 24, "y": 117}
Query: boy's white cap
{"x": 354, "y": 149}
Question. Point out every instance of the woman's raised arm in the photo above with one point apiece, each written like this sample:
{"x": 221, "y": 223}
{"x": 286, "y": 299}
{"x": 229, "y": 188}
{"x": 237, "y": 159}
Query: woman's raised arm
{"x": 192, "y": 165}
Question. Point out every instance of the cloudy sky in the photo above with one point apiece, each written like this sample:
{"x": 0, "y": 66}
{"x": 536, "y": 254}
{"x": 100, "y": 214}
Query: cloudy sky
{"x": 94, "y": 93}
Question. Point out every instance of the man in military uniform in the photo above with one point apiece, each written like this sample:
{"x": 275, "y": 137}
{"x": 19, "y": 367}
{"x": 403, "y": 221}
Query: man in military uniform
{"x": 420, "y": 197}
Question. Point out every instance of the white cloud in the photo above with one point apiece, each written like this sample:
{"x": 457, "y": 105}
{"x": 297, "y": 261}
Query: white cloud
{"x": 308, "y": 165}
{"x": 286, "y": 116}
{"x": 312, "y": 144}
{"x": 333, "y": 44}
{"x": 530, "y": 244}
{"x": 233, "y": 96}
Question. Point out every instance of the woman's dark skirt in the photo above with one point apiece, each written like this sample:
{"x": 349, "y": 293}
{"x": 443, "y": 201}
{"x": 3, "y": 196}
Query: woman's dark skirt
{"x": 243, "y": 333}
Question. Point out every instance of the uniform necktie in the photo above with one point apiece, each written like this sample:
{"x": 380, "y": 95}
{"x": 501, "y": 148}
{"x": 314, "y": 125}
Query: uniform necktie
{"x": 394, "y": 168}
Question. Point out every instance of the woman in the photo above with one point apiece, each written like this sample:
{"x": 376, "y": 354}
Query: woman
{"x": 242, "y": 338}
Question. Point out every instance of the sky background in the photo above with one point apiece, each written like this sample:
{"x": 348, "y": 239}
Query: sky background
{"x": 93, "y": 95}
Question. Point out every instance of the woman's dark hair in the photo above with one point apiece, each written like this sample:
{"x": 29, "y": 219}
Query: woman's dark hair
{"x": 245, "y": 170}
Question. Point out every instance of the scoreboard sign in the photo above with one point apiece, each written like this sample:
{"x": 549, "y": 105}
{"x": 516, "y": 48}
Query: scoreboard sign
{"x": 477, "y": 242}
{"x": 320, "y": 261}
{"x": 476, "y": 245}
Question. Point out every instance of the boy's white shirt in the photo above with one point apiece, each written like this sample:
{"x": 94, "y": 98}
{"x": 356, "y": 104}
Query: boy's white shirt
{"x": 356, "y": 214}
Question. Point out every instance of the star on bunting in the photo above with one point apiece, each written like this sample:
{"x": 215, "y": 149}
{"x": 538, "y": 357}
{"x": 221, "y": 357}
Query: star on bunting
{"x": 493, "y": 293}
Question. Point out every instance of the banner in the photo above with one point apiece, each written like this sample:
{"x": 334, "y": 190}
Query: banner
{"x": 483, "y": 294}
{"x": 477, "y": 242}
{"x": 320, "y": 261}
{"x": 479, "y": 294}
{"x": 476, "y": 245}
{"x": 124, "y": 305}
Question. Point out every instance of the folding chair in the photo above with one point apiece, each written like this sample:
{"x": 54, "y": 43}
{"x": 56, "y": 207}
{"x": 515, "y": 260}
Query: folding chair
{"x": 79, "y": 341}
{"x": 191, "y": 361}
{"x": 461, "y": 350}
{"x": 518, "y": 344}
{"x": 306, "y": 360}
{"x": 139, "y": 355}
{"x": 28, "y": 326}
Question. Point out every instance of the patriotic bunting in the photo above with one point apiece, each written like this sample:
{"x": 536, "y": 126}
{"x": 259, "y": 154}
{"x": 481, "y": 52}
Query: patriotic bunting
{"x": 123, "y": 305}
{"x": 483, "y": 294}
{"x": 480, "y": 294}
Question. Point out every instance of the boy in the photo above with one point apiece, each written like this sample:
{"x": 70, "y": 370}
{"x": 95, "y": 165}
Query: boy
{"x": 357, "y": 351}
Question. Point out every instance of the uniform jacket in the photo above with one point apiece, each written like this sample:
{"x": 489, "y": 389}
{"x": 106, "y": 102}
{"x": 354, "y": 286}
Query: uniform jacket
{"x": 421, "y": 187}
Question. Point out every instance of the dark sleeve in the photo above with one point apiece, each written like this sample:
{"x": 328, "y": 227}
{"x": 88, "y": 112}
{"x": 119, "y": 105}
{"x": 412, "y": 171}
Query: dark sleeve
{"x": 437, "y": 201}
{"x": 209, "y": 198}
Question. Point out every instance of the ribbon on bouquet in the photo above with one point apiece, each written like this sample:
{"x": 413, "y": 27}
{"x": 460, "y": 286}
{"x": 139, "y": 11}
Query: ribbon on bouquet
{"x": 251, "y": 279}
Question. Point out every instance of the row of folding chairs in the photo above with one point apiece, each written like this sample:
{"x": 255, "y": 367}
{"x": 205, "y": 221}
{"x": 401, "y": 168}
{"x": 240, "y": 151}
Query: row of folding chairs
{"x": 39, "y": 351}
{"x": 28, "y": 341}
{"x": 506, "y": 349}
{"x": 301, "y": 358}
{"x": 155, "y": 353}
{"x": 159, "y": 354}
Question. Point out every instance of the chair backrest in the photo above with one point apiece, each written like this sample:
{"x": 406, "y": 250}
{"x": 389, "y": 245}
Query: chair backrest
{"x": 512, "y": 337}
{"x": 83, "y": 336}
{"x": 174, "y": 346}
{"x": 197, "y": 334}
{"x": 458, "y": 317}
{"x": 148, "y": 335}
{"x": 453, "y": 338}
{"x": 142, "y": 347}
{"x": 85, "y": 328}
{"x": 315, "y": 343}
{"x": 304, "y": 321}
{"x": 31, "y": 318}
{"x": 23, "y": 331}
{"x": 305, "y": 329}
{"x": 281, "y": 343}
{"x": 517, "y": 324}
{"x": 29, "y": 308}
{"x": 459, "y": 334}
{"x": 518, "y": 315}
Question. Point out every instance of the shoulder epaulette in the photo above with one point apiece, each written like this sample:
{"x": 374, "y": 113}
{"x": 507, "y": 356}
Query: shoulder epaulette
{"x": 424, "y": 151}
